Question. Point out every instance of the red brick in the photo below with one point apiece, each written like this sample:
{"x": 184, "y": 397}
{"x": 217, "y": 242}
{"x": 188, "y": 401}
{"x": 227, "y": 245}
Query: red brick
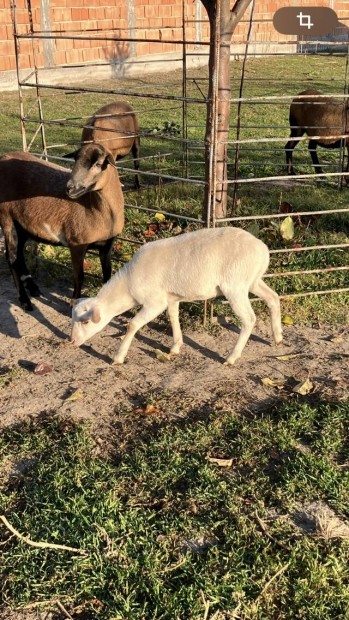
{"x": 61, "y": 15}
{"x": 89, "y": 55}
{"x": 7, "y": 63}
{"x": 79, "y": 15}
{"x": 151, "y": 11}
{"x": 74, "y": 56}
{"x": 176, "y": 11}
{"x": 165, "y": 11}
{"x": 95, "y": 13}
{"x": 143, "y": 49}
{"x": 6, "y": 48}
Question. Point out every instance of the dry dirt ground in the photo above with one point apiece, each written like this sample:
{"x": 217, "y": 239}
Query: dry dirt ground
{"x": 197, "y": 375}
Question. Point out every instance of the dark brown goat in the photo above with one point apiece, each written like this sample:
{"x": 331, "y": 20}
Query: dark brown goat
{"x": 47, "y": 203}
{"x": 115, "y": 125}
{"x": 313, "y": 115}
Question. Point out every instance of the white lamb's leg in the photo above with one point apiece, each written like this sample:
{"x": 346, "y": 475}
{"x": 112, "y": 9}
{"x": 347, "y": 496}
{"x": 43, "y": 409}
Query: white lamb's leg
{"x": 173, "y": 313}
{"x": 142, "y": 317}
{"x": 262, "y": 290}
{"x": 241, "y": 305}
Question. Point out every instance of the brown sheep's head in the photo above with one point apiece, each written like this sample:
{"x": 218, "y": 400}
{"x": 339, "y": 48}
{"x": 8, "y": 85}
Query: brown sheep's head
{"x": 89, "y": 173}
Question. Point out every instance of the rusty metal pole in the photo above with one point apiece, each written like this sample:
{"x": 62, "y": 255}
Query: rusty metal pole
{"x": 20, "y": 92}
{"x": 211, "y": 148}
{"x": 38, "y": 94}
{"x": 184, "y": 94}
{"x": 345, "y": 128}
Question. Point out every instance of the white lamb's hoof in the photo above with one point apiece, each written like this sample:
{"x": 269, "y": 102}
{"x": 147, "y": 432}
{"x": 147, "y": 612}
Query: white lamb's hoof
{"x": 118, "y": 360}
{"x": 229, "y": 362}
{"x": 278, "y": 342}
{"x": 174, "y": 351}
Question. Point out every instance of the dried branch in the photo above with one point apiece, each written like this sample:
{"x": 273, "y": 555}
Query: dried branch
{"x": 263, "y": 527}
{"x": 40, "y": 545}
{"x": 238, "y": 10}
{"x": 206, "y": 605}
{"x": 268, "y": 584}
{"x": 63, "y": 609}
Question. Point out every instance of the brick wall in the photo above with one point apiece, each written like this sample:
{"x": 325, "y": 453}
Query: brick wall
{"x": 142, "y": 19}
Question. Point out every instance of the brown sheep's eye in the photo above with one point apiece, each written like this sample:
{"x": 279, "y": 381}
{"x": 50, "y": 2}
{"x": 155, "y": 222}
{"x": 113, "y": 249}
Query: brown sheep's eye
{"x": 84, "y": 322}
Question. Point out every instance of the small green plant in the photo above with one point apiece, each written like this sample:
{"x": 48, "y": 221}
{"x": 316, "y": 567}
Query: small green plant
{"x": 167, "y": 127}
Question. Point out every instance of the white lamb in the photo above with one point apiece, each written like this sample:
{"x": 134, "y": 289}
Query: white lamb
{"x": 194, "y": 266}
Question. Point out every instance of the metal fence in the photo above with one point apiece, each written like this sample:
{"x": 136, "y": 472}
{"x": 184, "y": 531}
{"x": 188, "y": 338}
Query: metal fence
{"x": 174, "y": 154}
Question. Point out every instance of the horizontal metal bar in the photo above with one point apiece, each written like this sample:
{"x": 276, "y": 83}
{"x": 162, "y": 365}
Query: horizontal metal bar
{"x": 304, "y": 272}
{"x": 288, "y": 177}
{"x": 283, "y": 138}
{"x": 91, "y": 37}
{"x": 168, "y": 213}
{"x": 310, "y": 248}
{"x": 302, "y": 98}
{"x": 110, "y": 91}
{"x": 271, "y": 216}
{"x": 307, "y": 294}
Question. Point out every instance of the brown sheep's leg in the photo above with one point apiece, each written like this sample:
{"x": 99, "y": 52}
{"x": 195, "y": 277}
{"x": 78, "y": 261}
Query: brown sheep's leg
{"x": 77, "y": 254}
{"x": 135, "y": 153}
{"x": 25, "y": 276}
{"x": 313, "y": 154}
{"x": 105, "y": 253}
{"x": 290, "y": 146}
{"x": 12, "y": 248}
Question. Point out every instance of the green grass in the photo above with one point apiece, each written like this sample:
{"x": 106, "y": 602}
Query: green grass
{"x": 161, "y": 524}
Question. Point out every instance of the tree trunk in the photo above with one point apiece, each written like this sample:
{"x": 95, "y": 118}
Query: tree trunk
{"x": 223, "y": 22}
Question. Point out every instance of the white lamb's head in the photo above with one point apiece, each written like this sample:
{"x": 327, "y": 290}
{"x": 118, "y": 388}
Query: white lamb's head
{"x": 87, "y": 319}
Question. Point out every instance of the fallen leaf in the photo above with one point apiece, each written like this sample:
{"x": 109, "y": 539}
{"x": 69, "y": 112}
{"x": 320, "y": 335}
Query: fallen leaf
{"x": 87, "y": 265}
{"x": 268, "y": 381}
{"x": 117, "y": 247}
{"x": 153, "y": 227}
{"x": 151, "y": 409}
{"x": 287, "y": 319}
{"x": 76, "y": 395}
{"x": 42, "y": 369}
{"x": 287, "y": 229}
{"x": 290, "y": 356}
{"x": 336, "y": 339}
{"x": 149, "y": 233}
{"x": 147, "y": 409}
{"x": 220, "y": 462}
{"x": 303, "y": 388}
{"x": 160, "y": 217}
{"x": 163, "y": 357}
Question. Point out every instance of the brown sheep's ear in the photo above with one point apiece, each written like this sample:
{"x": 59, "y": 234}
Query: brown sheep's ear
{"x": 71, "y": 155}
{"x": 96, "y": 315}
{"x": 111, "y": 161}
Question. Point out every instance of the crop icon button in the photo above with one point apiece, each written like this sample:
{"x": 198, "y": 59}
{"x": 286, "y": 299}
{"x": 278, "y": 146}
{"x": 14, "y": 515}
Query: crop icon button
{"x": 312, "y": 20}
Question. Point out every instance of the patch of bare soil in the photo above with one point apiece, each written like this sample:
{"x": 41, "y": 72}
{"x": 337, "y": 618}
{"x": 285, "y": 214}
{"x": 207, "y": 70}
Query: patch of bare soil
{"x": 83, "y": 383}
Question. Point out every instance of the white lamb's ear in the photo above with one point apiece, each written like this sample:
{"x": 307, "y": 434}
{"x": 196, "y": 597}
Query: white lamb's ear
{"x": 96, "y": 315}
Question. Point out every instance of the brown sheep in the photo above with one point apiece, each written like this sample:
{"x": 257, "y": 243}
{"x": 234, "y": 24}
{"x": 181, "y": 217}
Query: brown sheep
{"x": 50, "y": 204}
{"x": 115, "y": 125}
{"x": 317, "y": 116}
